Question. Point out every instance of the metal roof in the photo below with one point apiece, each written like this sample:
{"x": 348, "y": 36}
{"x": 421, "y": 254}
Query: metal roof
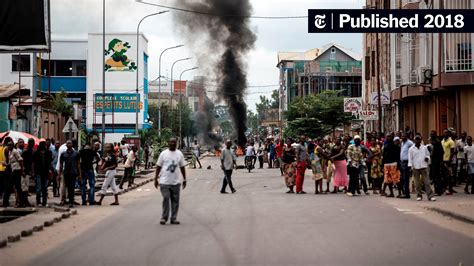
{"x": 7, "y": 90}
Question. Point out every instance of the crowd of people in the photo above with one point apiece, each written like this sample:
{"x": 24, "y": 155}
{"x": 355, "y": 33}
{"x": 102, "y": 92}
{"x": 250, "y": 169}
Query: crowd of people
{"x": 401, "y": 161}
{"x": 64, "y": 167}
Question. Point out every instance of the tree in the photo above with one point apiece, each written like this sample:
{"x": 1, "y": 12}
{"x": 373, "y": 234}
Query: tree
{"x": 61, "y": 105}
{"x": 252, "y": 122}
{"x": 275, "y": 102}
{"x": 332, "y": 109}
{"x": 316, "y": 115}
{"x": 262, "y": 107}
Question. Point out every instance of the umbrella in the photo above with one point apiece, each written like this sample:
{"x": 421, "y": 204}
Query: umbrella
{"x": 16, "y": 135}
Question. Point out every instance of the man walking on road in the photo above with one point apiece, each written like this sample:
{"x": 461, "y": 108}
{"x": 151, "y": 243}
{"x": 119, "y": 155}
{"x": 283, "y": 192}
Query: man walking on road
{"x": 197, "y": 153}
{"x": 418, "y": 159}
{"x": 167, "y": 165}
{"x": 227, "y": 164}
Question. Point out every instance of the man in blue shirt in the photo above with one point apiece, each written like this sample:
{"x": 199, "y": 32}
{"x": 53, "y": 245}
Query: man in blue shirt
{"x": 404, "y": 169}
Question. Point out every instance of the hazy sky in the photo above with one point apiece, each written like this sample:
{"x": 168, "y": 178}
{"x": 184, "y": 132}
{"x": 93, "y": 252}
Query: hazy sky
{"x": 82, "y": 16}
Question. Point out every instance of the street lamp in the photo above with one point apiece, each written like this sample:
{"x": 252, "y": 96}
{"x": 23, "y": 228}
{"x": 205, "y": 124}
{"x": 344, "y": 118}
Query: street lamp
{"x": 159, "y": 86}
{"x": 181, "y": 107}
{"x": 172, "y": 66}
{"x": 138, "y": 60}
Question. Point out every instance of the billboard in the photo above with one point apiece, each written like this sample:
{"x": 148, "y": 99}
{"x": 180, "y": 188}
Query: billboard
{"x": 117, "y": 102}
{"x": 25, "y": 25}
{"x": 179, "y": 87}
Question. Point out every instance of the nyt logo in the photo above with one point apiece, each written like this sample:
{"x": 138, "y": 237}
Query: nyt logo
{"x": 320, "y": 21}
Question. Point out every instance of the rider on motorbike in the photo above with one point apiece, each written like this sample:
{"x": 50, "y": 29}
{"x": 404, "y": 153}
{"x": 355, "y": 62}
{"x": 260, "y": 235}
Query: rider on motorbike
{"x": 250, "y": 154}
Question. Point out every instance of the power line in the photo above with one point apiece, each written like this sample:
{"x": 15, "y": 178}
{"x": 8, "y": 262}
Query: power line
{"x": 218, "y": 85}
{"x": 222, "y": 15}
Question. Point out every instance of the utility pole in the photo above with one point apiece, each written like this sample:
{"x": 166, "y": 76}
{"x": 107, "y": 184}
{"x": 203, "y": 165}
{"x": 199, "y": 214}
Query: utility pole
{"x": 379, "y": 100}
{"x": 103, "y": 74}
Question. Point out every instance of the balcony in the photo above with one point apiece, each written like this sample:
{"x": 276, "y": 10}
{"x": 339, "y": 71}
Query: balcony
{"x": 74, "y": 84}
{"x": 458, "y": 52}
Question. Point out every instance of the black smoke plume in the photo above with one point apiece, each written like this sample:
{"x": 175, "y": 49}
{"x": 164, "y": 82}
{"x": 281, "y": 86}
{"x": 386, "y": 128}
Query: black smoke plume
{"x": 221, "y": 40}
{"x": 205, "y": 122}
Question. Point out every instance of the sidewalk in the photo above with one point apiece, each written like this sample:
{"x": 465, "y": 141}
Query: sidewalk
{"x": 460, "y": 206}
{"x": 37, "y": 218}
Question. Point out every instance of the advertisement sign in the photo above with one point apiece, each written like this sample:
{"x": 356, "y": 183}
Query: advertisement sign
{"x": 118, "y": 102}
{"x": 116, "y": 57}
{"x": 384, "y": 98}
{"x": 368, "y": 115}
{"x": 352, "y": 104}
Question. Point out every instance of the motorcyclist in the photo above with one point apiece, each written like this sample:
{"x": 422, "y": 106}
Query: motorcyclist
{"x": 250, "y": 153}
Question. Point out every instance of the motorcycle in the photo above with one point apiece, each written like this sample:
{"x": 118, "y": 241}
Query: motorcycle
{"x": 249, "y": 163}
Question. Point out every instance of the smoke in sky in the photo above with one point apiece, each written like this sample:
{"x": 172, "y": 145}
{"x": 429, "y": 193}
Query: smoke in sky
{"x": 221, "y": 41}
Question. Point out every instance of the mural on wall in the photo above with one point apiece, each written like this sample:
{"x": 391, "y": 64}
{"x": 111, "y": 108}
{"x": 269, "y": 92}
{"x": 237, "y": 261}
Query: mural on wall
{"x": 118, "y": 60}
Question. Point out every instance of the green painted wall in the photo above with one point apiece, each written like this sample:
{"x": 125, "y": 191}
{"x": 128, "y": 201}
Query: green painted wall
{"x": 4, "y": 121}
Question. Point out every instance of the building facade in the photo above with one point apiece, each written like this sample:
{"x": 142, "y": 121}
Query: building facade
{"x": 430, "y": 77}
{"x": 332, "y": 67}
{"x": 41, "y": 75}
{"x": 120, "y": 100}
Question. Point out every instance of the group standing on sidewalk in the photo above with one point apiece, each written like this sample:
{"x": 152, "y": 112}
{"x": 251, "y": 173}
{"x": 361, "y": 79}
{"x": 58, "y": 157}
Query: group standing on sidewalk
{"x": 64, "y": 167}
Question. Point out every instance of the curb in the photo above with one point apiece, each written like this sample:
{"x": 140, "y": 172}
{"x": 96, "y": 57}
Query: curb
{"x": 132, "y": 187}
{"x": 451, "y": 214}
{"x": 63, "y": 214}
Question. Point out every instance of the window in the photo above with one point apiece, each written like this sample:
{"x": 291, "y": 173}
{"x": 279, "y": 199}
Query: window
{"x": 64, "y": 67}
{"x": 80, "y": 67}
{"x": 20, "y": 61}
{"x": 332, "y": 56}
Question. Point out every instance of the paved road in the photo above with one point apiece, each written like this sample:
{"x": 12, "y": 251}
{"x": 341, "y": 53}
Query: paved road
{"x": 261, "y": 225}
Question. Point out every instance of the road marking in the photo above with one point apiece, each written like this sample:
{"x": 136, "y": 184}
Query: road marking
{"x": 403, "y": 210}
{"x": 147, "y": 189}
{"x": 408, "y": 211}
{"x": 139, "y": 189}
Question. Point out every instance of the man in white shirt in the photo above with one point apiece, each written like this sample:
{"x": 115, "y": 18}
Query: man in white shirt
{"x": 250, "y": 154}
{"x": 169, "y": 180}
{"x": 418, "y": 159}
{"x": 62, "y": 184}
{"x": 469, "y": 153}
{"x": 227, "y": 164}
{"x": 197, "y": 153}
{"x": 124, "y": 149}
{"x": 129, "y": 165}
